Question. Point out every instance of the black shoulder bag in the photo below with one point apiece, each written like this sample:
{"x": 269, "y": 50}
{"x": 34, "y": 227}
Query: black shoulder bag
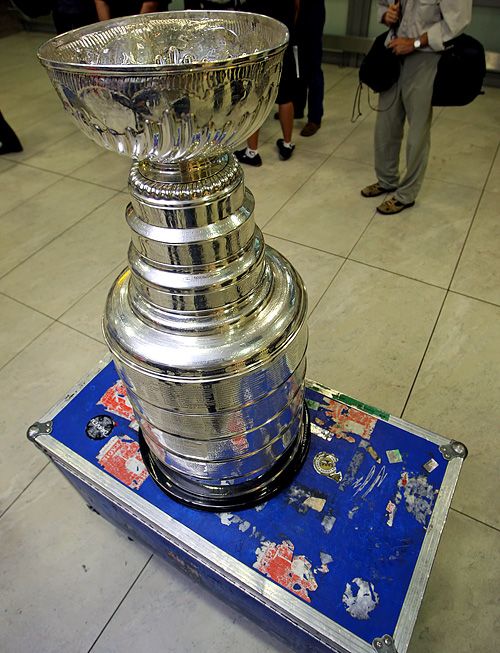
{"x": 380, "y": 67}
{"x": 460, "y": 73}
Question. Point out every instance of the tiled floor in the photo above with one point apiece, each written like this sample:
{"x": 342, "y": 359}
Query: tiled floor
{"x": 404, "y": 314}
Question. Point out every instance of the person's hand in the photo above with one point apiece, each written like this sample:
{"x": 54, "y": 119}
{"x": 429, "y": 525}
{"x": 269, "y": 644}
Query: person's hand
{"x": 391, "y": 16}
{"x": 401, "y": 46}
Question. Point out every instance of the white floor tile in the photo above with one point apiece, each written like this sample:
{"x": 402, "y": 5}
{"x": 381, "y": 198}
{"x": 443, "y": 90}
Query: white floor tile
{"x": 276, "y": 181}
{"x": 36, "y": 222}
{"x": 86, "y": 315}
{"x": 478, "y": 273}
{"x": 75, "y": 569}
{"x": 328, "y": 212}
{"x": 369, "y": 332}
{"x": 456, "y": 394}
{"x": 57, "y": 276}
{"x": 461, "y": 153}
{"x": 19, "y": 325}
{"x": 493, "y": 184}
{"x": 455, "y": 615}
{"x": 108, "y": 169}
{"x": 19, "y": 183}
{"x": 317, "y": 268}
{"x": 162, "y": 599}
{"x": 423, "y": 242}
{"x": 30, "y": 384}
{"x": 66, "y": 155}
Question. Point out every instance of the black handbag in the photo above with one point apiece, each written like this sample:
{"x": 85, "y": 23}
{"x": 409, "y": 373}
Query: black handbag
{"x": 380, "y": 67}
{"x": 460, "y": 73}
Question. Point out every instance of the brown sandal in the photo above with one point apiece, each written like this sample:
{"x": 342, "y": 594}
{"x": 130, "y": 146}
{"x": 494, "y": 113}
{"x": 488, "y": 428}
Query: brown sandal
{"x": 374, "y": 190}
{"x": 391, "y": 206}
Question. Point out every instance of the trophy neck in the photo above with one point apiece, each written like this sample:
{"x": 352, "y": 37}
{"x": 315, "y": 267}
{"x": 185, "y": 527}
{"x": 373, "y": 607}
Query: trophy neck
{"x": 183, "y": 171}
{"x": 195, "y": 247}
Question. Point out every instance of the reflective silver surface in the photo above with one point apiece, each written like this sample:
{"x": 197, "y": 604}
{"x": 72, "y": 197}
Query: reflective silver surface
{"x": 207, "y": 326}
{"x": 170, "y": 86}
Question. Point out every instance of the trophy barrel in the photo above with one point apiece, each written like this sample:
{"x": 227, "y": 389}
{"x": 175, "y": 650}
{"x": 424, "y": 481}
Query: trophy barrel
{"x": 208, "y": 332}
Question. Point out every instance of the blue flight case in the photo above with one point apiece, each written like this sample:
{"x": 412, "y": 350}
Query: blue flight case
{"x": 337, "y": 561}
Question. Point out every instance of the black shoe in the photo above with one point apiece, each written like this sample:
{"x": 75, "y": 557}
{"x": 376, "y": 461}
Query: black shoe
{"x": 243, "y": 157}
{"x": 285, "y": 152}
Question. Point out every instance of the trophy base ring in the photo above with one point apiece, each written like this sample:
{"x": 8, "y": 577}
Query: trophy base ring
{"x": 248, "y": 494}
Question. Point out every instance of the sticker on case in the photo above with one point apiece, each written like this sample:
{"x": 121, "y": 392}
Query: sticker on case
{"x": 325, "y": 463}
{"x": 303, "y": 498}
{"x": 115, "y": 401}
{"x": 99, "y": 427}
{"x": 277, "y": 562}
{"x": 328, "y": 522}
{"x": 360, "y": 598}
{"x": 121, "y": 458}
{"x": 349, "y": 420}
{"x": 390, "y": 511}
{"x": 394, "y": 456}
{"x": 430, "y": 465}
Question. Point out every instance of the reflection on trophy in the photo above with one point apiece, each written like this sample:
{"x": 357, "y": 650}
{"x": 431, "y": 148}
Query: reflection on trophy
{"x": 207, "y": 325}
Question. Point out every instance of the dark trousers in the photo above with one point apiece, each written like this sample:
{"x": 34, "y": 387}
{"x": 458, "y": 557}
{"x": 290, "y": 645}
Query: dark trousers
{"x": 309, "y": 39}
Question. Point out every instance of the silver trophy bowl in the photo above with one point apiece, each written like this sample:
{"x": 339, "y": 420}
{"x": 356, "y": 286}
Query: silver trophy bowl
{"x": 171, "y": 86}
{"x": 207, "y": 325}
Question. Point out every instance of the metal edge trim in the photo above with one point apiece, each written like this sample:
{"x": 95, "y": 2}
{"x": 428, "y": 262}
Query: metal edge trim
{"x": 302, "y": 616}
{"x": 414, "y": 596}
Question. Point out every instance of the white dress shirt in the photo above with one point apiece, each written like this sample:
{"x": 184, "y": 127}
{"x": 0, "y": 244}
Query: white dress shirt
{"x": 441, "y": 19}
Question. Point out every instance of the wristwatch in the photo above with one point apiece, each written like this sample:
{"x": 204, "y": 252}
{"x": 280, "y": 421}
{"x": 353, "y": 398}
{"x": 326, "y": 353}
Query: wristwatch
{"x": 417, "y": 43}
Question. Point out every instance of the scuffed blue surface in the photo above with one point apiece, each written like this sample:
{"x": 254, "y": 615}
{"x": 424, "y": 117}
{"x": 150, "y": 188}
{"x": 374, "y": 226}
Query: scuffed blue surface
{"x": 360, "y": 542}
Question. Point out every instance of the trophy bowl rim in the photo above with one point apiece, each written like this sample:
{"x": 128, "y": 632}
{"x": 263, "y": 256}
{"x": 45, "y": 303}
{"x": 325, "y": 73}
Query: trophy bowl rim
{"x": 46, "y": 52}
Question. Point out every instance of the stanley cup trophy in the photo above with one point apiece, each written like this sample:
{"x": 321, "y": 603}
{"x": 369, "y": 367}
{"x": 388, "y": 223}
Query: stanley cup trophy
{"x": 207, "y": 325}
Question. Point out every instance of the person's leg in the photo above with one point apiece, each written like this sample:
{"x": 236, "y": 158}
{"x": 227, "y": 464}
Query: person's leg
{"x": 315, "y": 81}
{"x": 301, "y": 41}
{"x": 9, "y": 142}
{"x": 250, "y": 154}
{"x": 300, "y": 96}
{"x": 418, "y": 82}
{"x": 253, "y": 141}
{"x": 286, "y": 93}
{"x": 389, "y": 128}
{"x": 286, "y": 113}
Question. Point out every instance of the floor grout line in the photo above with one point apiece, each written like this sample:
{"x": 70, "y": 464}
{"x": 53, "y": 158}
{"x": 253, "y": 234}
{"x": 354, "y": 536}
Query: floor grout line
{"x": 120, "y": 603}
{"x": 61, "y": 233}
{"x": 24, "y": 347}
{"x": 479, "y": 521}
{"x": 448, "y": 289}
{"x": 24, "y": 490}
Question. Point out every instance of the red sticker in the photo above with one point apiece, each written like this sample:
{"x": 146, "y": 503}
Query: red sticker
{"x": 122, "y": 459}
{"x": 350, "y": 420}
{"x": 278, "y": 563}
{"x": 115, "y": 401}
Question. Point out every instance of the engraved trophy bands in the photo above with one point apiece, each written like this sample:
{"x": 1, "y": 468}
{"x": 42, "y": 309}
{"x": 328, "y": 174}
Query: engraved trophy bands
{"x": 207, "y": 325}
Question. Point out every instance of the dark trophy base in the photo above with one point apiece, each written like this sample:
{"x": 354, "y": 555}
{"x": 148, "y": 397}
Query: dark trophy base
{"x": 229, "y": 497}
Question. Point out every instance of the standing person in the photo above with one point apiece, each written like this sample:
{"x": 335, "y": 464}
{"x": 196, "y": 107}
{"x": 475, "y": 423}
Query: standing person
{"x": 286, "y": 12}
{"x": 310, "y": 84}
{"x": 107, "y": 9}
{"x": 419, "y": 31}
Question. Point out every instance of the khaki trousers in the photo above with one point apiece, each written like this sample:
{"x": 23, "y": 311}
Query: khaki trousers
{"x": 409, "y": 98}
